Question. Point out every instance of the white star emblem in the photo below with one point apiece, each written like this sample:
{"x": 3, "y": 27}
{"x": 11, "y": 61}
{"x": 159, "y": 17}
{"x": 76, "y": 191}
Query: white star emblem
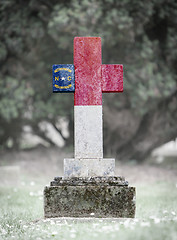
{"x": 62, "y": 78}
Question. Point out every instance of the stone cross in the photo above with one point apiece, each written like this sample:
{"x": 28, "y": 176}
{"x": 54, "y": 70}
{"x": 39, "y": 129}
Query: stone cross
{"x": 89, "y": 187}
{"x": 88, "y": 78}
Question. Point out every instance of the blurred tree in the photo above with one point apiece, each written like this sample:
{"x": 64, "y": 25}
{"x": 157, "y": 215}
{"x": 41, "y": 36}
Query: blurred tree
{"x": 34, "y": 35}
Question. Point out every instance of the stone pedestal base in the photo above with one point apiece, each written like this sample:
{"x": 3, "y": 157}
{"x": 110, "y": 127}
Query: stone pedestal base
{"x": 89, "y": 197}
{"x": 86, "y": 168}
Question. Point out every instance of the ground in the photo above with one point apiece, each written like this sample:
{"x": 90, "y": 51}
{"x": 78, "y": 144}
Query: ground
{"x": 24, "y": 174}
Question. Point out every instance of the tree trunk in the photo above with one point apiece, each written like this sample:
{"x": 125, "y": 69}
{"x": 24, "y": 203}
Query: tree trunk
{"x": 155, "y": 128}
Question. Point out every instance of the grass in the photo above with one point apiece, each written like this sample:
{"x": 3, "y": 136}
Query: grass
{"x": 21, "y": 216}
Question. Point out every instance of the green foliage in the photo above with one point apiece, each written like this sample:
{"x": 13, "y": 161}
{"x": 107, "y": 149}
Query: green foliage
{"x": 15, "y": 96}
{"x": 34, "y": 35}
{"x": 124, "y": 27}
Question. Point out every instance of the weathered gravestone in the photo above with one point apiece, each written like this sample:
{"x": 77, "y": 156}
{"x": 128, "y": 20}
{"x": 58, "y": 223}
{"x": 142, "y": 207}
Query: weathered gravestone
{"x": 89, "y": 186}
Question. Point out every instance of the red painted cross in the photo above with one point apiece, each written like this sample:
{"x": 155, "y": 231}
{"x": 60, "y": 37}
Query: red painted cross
{"x": 91, "y": 76}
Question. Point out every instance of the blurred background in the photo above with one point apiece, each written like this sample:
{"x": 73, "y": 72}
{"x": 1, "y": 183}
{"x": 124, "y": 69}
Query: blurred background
{"x": 140, "y": 124}
{"x": 141, "y": 35}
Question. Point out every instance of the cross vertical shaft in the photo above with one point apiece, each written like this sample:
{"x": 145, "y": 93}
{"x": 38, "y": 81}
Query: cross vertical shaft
{"x": 88, "y": 98}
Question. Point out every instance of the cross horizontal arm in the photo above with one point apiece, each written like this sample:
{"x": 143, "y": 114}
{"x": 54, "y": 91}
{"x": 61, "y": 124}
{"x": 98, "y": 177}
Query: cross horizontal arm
{"x": 112, "y": 77}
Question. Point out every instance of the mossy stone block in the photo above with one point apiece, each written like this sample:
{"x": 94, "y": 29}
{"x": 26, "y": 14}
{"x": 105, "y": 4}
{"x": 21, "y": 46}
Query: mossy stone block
{"x": 82, "y": 201}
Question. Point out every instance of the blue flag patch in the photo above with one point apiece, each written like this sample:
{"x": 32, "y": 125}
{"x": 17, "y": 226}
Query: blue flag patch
{"x": 63, "y": 78}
